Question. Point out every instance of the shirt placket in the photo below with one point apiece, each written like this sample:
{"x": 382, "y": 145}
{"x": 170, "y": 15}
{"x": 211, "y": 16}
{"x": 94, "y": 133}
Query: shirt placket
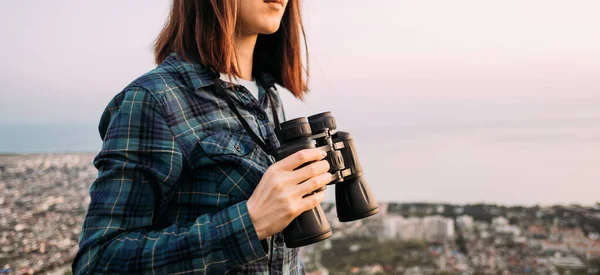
{"x": 267, "y": 127}
{"x": 259, "y": 108}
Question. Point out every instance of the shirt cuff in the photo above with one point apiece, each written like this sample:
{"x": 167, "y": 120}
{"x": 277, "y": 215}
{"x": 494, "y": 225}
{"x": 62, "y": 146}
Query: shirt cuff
{"x": 238, "y": 236}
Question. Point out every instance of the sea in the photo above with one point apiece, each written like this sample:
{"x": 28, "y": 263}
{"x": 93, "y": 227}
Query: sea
{"x": 508, "y": 165}
{"x": 58, "y": 137}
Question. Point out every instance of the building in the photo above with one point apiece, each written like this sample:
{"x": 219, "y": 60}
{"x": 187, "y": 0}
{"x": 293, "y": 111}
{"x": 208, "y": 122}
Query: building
{"x": 567, "y": 262}
{"x": 550, "y": 246}
{"x": 509, "y": 230}
{"x": 438, "y": 228}
{"x": 537, "y": 231}
{"x": 499, "y": 221}
{"x": 431, "y": 228}
{"x": 464, "y": 222}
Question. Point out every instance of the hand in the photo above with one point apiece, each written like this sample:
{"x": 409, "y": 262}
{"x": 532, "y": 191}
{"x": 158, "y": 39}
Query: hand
{"x": 281, "y": 193}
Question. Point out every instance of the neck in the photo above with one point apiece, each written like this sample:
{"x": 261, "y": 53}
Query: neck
{"x": 244, "y": 49}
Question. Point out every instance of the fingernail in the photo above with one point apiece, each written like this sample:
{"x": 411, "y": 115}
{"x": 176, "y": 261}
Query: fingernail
{"x": 323, "y": 153}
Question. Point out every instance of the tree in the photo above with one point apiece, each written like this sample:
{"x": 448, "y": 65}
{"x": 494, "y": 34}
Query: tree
{"x": 595, "y": 263}
{"x": 462, "y": 244}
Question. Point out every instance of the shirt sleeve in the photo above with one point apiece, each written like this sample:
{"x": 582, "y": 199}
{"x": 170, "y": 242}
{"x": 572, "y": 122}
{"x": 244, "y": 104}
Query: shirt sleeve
{"x": 117, "y": 236}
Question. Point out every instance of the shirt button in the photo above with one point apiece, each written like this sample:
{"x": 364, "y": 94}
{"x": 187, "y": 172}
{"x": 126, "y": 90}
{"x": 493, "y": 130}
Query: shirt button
{"x": 237, "y": 148}
{"x": 261, "y": 116}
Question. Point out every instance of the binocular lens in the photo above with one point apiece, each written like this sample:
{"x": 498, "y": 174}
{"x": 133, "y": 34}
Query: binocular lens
{"x": 308, "y": 228}
{"x": 354, "y": 201}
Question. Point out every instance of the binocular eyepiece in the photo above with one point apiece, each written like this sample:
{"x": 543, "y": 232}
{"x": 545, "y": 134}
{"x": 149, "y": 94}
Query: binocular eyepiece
{"x": 353, "y": 196}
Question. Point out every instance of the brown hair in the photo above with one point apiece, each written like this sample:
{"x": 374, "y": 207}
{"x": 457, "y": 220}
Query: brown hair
{"x": 203, "y": 31}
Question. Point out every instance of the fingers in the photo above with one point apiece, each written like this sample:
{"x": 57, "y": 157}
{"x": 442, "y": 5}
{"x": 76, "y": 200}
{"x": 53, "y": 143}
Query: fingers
{"x": 311, "y": 170}
{"x": 312, "y": 201}
{"x": 312, "y": 184}
{"x": 303, "y": 156}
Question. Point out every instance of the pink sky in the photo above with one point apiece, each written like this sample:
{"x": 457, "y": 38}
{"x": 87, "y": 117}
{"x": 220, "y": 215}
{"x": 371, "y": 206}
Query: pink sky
{"x": 452, "y": 76}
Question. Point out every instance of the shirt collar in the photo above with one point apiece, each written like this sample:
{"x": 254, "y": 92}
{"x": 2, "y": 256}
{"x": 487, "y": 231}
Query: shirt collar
{"x": 195, "y": 75}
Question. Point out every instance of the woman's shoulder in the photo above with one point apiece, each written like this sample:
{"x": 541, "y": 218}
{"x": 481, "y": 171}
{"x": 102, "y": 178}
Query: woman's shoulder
{"x": 172, "y": 77}
{"x": 167, "y": 86}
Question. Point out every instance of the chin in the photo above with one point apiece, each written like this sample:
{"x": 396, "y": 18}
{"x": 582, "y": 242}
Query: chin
{"x": 270, "y": 30}
{"x": 270, "y": 26}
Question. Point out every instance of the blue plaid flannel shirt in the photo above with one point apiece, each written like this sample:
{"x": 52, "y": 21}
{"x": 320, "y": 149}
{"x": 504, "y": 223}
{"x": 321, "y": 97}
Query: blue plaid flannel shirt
{"x": 169, "y": 126}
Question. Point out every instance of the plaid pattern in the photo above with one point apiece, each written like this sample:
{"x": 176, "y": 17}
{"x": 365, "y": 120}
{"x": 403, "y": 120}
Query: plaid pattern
{"x": 169, "y": 126}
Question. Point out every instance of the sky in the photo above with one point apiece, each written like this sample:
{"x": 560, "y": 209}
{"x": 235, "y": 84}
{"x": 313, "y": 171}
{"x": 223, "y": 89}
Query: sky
{"x": 450, "y": 101}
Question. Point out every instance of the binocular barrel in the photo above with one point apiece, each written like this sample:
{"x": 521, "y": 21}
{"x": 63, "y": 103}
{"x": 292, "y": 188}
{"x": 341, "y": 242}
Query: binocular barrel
{"x": 311, "y": 226}
{"x": 353, "y": 196}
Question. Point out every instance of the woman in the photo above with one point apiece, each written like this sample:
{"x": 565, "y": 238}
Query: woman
{"x": 182, "y": 187}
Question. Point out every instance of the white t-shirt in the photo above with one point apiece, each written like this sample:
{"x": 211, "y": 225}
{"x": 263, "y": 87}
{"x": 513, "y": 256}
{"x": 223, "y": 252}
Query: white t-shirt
{"x": 251, "y": 86}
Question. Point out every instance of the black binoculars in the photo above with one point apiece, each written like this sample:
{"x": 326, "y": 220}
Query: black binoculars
{"x": 353, "y": 196}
